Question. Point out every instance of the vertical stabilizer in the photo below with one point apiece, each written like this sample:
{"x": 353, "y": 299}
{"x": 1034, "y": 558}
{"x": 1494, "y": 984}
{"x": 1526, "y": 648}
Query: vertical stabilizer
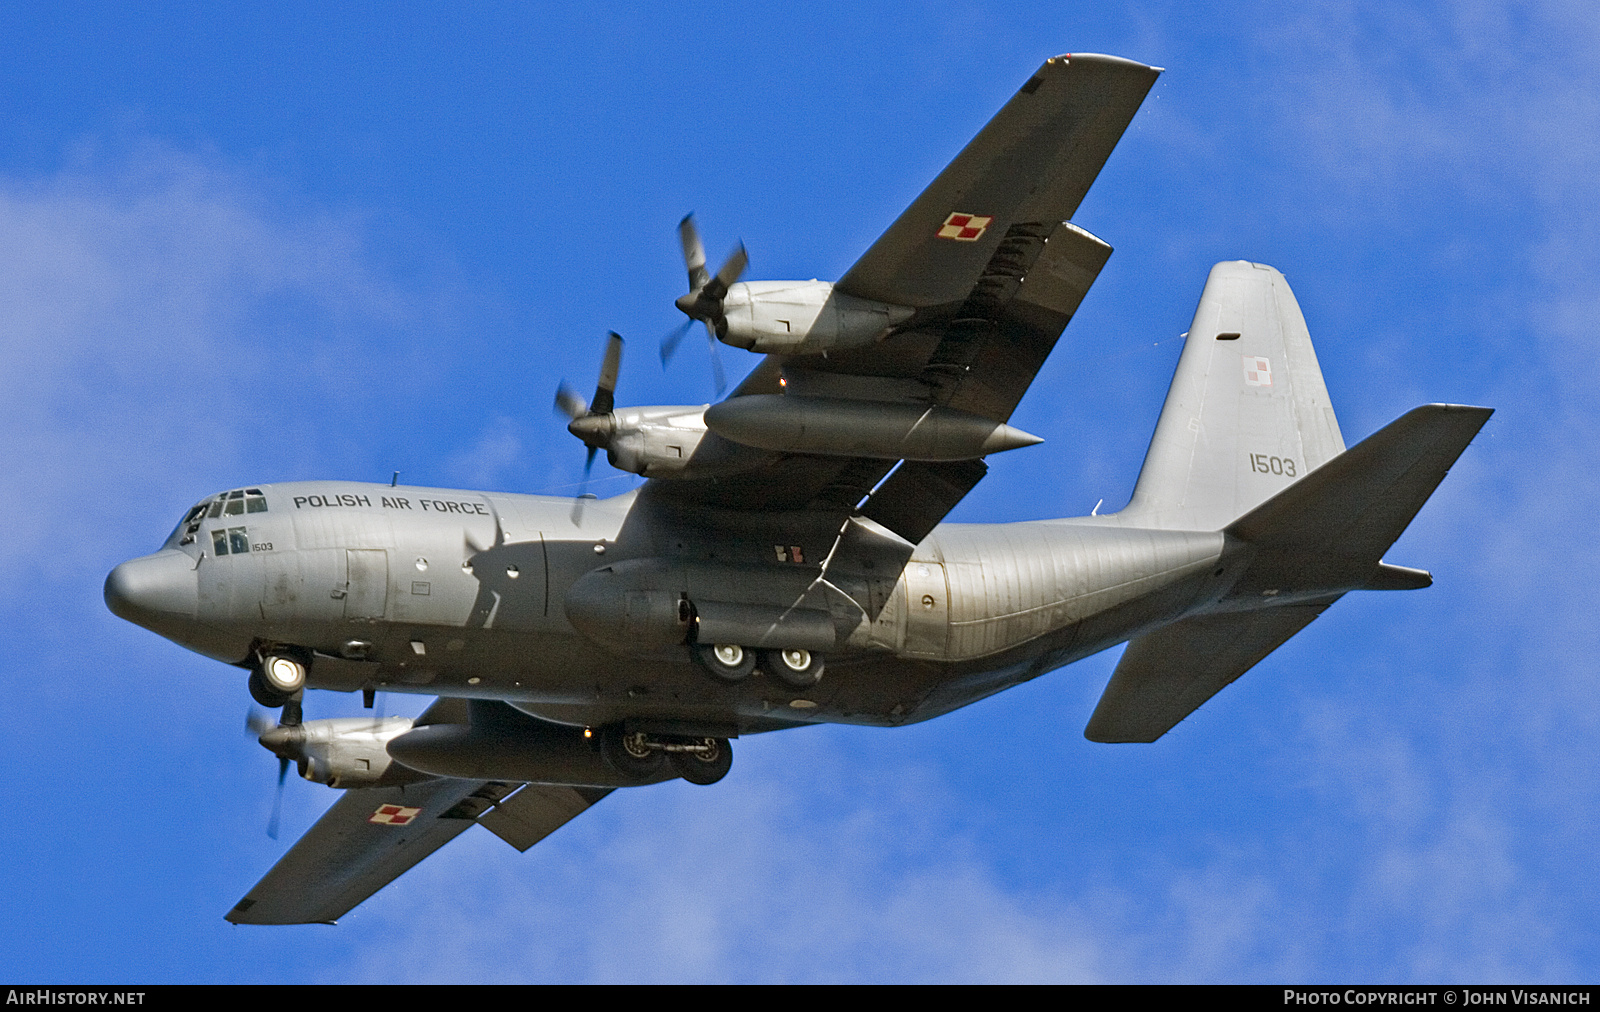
{"x": 1247, "y": 413}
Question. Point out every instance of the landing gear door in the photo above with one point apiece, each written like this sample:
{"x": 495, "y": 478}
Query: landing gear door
{"x": 368, "y": 594}
{"x": 927, "y": 610}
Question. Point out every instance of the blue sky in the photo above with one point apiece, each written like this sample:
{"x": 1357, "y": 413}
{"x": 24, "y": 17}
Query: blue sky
{"x": 329, "y": 243}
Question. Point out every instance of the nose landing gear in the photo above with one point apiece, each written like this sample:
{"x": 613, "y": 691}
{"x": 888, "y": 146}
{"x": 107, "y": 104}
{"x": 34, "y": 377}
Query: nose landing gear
{"x": 277, "y": 679}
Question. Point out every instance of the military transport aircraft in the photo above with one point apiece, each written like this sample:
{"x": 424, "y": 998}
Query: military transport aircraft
{"x": 785, "y": 564}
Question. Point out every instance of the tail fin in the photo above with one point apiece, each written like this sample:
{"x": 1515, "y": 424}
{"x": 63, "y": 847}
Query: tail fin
{"x": 1247, "y": 413}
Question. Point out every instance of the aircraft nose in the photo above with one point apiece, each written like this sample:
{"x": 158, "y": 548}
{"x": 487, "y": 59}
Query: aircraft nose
{"x": 154, "y": 587}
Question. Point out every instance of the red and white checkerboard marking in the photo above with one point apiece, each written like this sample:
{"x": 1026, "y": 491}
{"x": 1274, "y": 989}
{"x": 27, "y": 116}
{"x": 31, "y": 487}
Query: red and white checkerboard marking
{"x": 965, "y": 227}
{"x": 394, "y": 815}
{"x": 1257, "y": 372}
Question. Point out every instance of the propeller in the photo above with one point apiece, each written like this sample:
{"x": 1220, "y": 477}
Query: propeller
{"x": 281, "y": 740}
{"x": 593, "y": 421}
{"x": 706, "y": 294}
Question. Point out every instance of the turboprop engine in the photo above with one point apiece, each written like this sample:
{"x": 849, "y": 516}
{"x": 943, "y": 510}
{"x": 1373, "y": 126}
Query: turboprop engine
{"x": 343, "y": 752}
{"x": 783, "y": 317}
{"x": 656, "y": 442}
{"x": 803, "y": 318}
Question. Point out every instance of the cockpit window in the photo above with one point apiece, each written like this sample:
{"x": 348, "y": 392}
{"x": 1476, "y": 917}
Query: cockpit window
{"x": 234, "y": 503}
{"x": 237, "y": 502}
{"x": 230, "y": 541}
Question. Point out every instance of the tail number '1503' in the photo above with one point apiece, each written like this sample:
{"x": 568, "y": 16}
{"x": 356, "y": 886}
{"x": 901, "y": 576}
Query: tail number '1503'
{"x": 1263, "y": 464}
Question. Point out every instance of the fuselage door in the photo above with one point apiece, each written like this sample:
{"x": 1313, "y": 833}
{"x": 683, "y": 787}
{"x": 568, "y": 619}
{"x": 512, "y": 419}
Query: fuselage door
{"x": 368, "y": 593}
{"x": 927, "y": 610}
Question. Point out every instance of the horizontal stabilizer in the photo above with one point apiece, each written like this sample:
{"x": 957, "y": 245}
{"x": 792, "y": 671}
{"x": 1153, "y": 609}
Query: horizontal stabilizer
{"x": 1330, "y": 529}
{"x": 1164, "y": 676}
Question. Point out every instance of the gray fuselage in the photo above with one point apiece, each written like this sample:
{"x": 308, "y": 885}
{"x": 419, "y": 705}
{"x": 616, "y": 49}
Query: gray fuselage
{"x": 460, "y": 593}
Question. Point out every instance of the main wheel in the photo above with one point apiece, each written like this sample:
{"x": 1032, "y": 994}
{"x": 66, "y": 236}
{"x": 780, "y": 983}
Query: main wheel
{"x": 629, "y": 753}
{"x": 706, "y": 766}
{"x": 798, "y": 669}
{"x": 726, "y": 662}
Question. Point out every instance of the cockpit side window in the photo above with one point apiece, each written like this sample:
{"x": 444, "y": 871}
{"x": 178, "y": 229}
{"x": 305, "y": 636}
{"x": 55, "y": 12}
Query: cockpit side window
{"x": 190, "y": 524}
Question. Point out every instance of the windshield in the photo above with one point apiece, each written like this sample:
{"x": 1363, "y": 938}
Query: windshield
{"x": 235, "y": 503}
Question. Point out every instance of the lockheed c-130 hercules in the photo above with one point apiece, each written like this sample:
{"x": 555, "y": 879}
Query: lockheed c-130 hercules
{"x": 784, "y": 564}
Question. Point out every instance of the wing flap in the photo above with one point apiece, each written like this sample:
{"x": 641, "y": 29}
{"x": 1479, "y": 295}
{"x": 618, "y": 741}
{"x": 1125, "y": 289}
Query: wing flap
{"x": 1166, "y": 675}
{"x": 919, "y": 494}
{"x": 538, "y": 810}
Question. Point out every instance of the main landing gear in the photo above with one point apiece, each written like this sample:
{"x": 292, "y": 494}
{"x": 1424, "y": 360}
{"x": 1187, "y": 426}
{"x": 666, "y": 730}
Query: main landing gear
{"x": 643, "y": 757}
{"x": 731, "y": 663}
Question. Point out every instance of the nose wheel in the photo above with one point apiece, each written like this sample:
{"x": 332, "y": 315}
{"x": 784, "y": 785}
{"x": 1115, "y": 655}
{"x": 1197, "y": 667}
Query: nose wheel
{"x": 630, "y": 753}
{"x": 276, "y": 679}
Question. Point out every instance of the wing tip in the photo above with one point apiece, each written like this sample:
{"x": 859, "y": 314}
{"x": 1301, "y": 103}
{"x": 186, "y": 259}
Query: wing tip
{"x": 1108, "y": 60}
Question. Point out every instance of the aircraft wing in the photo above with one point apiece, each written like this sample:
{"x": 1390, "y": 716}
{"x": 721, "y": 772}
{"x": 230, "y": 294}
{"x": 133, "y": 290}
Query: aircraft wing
{"x": 1031, "y": 164}
{"x": 371, "y": 836}
{"x": 991, "y": 295}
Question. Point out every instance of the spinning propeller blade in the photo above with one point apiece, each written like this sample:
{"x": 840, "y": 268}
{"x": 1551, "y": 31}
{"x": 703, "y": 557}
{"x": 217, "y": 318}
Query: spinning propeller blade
{"x": 593, "y": 422}
{"x": 262, "y": 727}
{"x": 277, "y": 800}
{"x": 705, "y": 299}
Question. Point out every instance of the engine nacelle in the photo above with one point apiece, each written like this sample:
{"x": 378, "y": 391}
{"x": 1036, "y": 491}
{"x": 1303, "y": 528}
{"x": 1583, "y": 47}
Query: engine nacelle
{"x": 501, "y": 743}
{"x": 656, "y": 442}
{"x": 348, "y": 752}
{"x": 804, "y": 318}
